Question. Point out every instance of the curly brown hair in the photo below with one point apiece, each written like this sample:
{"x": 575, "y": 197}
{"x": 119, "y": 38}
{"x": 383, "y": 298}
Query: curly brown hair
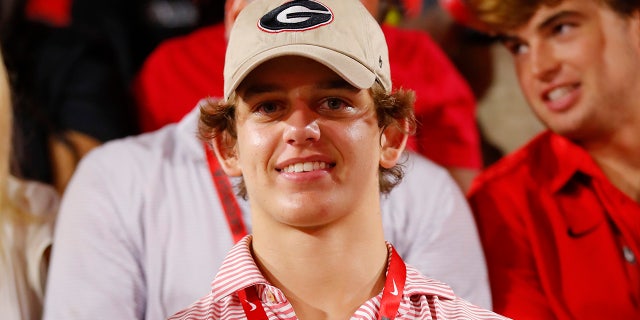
{"x": 501, "y": 15}
{"x": 392, "y": 109}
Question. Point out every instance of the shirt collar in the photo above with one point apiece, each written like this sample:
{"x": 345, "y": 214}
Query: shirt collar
{"x": 568, "y": 159}
{"x": 419, "y": 285}
{"x": 239, "y": 271}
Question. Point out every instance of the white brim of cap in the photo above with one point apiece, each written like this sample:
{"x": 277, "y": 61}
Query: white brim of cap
{"x": 346, "y": 67}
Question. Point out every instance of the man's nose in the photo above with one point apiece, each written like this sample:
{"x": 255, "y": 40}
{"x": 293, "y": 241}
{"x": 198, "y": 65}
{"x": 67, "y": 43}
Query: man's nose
{"x": 302, "y": 127}
{"x": 544, "y": 63}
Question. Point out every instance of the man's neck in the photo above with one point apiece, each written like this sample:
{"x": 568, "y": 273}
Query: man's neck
{"x": 325, "y": 273}
{"x": 619, "y": 158}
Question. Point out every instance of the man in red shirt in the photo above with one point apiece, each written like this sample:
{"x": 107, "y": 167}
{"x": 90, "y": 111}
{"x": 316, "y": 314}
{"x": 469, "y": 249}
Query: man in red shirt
{"x": 560, "y": 218}
{"x": 184, "y": 70}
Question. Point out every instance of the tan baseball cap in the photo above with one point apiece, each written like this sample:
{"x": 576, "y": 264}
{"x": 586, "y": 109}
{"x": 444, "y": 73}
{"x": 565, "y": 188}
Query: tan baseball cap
{"x": 341, "y": 34}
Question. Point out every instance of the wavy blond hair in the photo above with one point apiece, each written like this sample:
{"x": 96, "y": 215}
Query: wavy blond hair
{"x": 6, "y": 119}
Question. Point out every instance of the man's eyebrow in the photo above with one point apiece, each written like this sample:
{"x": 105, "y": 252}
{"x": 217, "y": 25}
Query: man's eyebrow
{"x": 337, "y": 84}
{"x": 261, "y": 88}
{"x": 551, "y": 20}
{"x": 506, "y": 38}
{"x": 258, "y": 88}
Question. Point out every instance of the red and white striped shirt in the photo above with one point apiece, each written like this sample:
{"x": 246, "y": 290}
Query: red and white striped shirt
{"x": 422, "y": 298}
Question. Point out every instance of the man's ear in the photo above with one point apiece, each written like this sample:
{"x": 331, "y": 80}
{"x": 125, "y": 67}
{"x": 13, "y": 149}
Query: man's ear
{"x": 224, "y": 147}
{"x": 393, "y": 141}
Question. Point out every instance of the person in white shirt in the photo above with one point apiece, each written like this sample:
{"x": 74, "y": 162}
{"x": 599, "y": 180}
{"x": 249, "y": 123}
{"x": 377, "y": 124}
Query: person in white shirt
{"x": 27, "y": 214}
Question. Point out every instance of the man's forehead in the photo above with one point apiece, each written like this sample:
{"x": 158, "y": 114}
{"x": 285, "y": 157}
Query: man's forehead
{"x": 545, "y": 16}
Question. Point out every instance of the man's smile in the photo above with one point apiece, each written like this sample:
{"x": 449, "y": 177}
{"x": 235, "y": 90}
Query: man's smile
{"x": 306, "y": 166}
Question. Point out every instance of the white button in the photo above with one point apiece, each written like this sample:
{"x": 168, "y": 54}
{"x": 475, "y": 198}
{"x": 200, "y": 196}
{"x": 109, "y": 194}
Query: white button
{"x": 628, "y": 255}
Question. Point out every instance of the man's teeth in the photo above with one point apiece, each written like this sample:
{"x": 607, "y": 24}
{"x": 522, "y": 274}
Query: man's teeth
{"x": 305, "y": 167}
{"x": 558, "y": 93}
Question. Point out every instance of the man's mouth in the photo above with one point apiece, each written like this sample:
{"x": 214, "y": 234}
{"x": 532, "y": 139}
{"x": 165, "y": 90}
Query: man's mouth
{"x": 559, "y": 92}
{"x": 306, "y": 166}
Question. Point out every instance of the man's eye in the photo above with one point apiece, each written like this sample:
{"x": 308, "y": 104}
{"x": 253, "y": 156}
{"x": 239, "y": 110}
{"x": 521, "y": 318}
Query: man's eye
{"x": 335, "y": 104}
{"x": 516, "y": 48}
{"x": 562, "y": 28}
{"x": 267, "y": 108}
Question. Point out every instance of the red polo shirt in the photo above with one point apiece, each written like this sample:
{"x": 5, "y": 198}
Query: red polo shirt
{"x": 560, "y": 240}
{"x": 186, "y": 69}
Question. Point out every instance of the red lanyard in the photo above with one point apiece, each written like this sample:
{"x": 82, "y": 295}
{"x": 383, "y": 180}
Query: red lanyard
{"x": 391, "y": 294}
{"x": 393, "y": 287}
{"x": 227, "y": 198}
{"x": 251, "y": 302}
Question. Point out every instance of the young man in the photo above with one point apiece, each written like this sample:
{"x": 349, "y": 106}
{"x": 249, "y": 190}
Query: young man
{"x": 310, "y": 124}
{"x": 559, "y": 219}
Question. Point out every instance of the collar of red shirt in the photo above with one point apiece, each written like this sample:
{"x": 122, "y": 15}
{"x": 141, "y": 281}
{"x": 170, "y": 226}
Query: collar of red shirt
{"x": 239, "y": 271}
{"x": 561, "y": 160}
